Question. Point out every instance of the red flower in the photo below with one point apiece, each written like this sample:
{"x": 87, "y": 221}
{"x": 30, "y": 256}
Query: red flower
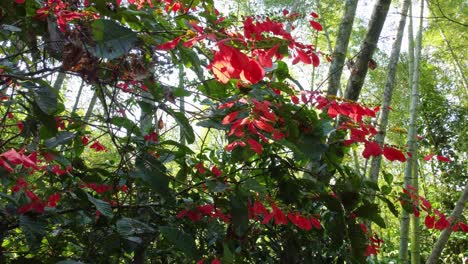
{"x": 170, "y": 44}
{"x": 393, "y": 154}
{"x": 428, "y": 157}
{"x": 53, "y": 199}
{"x": 316, "y": 25}
{"x": 371, "y": 148}
{"x": 151, "y": 137}
{"x": 200, "y": 168}
{"x": 300, "y": 221}
{"x": 228, "y": 119}
{"x": 98, "y": 146}
{"x": 442, "y": 158}
{"x": 216, "y": 171}
{"x": 371, "y": 250}
{"x": 234, "y": 144}
{"x": 442, "y": 223}
{"x": 280, "y": 218}
{"x": 215, "y": 261}
{"x": 255, "y": 146}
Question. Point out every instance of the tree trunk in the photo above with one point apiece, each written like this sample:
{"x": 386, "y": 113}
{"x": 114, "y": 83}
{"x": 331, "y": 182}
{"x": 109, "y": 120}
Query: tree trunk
{"x": 404, "y": 224}
{"x": 388, "y": 91}
{"x": 444, "y": 236}
{"x": 359, "y": 70}
{"x": 341, "y": 46}
{"x": 415, "y": 228}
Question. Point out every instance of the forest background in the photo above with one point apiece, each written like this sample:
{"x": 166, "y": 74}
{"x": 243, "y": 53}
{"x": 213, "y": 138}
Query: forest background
{"x": 266, "y": 131}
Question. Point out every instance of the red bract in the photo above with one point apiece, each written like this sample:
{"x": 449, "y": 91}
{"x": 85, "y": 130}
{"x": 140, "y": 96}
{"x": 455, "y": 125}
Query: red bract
{"x": 442, "y": 158}
{"x": 371, "y": 149}
{"x": 393, "y": 154}
{"x": 300, "y": 221}
{"x": 316, "y": 25}
{"x": 371, "y": 250}
{"x": 255, "y": 146}
{"x": 280, "y": 217}
{"x": 53, "y": 199}
{"x": 200, "y": 168}
{"x": 215, "y": 261}
{"x": 98, "y": 146}
{"x": 216, "y": 171}
{"x": 169, "y": 45}
{"x": 230, "y": 63}
{"x": 151, "y": 137}
{"x": 428, "y": 157}
{"x": 228, "y": 119}
{"x": 442, "y": 223}
{"x": 429, "y": 221}
{"x": 235, "y": 144}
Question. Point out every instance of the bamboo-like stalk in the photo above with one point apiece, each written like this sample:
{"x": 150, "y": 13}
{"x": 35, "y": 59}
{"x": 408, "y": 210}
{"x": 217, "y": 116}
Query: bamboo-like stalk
{"x": 411, "y": 141}
{"x": 388, "y": 91}
{"x": 341, "y": 46}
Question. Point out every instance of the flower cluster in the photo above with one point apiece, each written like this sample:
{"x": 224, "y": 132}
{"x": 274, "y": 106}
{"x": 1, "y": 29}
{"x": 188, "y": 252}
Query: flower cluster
{"x": 257, "y": 211}
{"x": 34, "y": 203}
{"x": 409, "y": 196}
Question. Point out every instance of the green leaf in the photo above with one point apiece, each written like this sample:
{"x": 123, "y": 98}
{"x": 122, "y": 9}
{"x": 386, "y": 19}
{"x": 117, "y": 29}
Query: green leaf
{"x": 184, "y": 124}
{"x": 182, "y": 240}
{"x": 388, "y": 177}
{"x": 311, "y": 146}
{"x": 371, "y": 212}
{"x": 44, "y": 95}
{"x": 126, "y": 123}
{"x": 390, "y": 205}
{"x": 112, "y": 39}
{"x": 129, "y": 227}
{"x": 152, "y": 171}
{"x": 33, "y": 229}
{"x": 103, "y": 207}
{"x": 282, "y": 72}
{"x": 181, "y": 147}
{"x": 62, "y": 138}
{"x": 239, "y": 211}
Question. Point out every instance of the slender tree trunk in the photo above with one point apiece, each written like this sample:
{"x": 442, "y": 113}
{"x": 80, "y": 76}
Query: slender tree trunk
{"x": 388, "y": 91}
{"x": 415, "y": 228}
{"x": 444, "y": 236}
{"x": 341, "y": 46}
{"x": 359, "y": 70}
{"x": 404, "y": 224}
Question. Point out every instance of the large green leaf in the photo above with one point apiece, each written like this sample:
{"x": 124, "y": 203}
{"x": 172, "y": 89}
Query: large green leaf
{"x": 103, "y": 207}
{"x": 184, "y": 124}
{"x": 128, "y": 227}
{"x": 112, "y": 39}
{"x": 63, "y": 137}
{"x": 152, "y": 171}
{"x": 371, "y": 212}
{"x": 182, "y": 240}
{"x": 44, "y": 96}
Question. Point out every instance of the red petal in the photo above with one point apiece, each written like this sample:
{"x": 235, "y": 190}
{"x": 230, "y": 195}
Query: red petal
{"x": 316, "y": 25}
{"x": 393, "y": 154}
{"x": 253, "y": 72}
{"x": 170, "y": 44}
{"x": 228, "y": 119}
{"x": 263, "y": 125}
{"x": 255, "y": 146}
{"x": 428, "y": 157}
{"x": 442, "y": 158}
{"x": 371, "y": 149}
